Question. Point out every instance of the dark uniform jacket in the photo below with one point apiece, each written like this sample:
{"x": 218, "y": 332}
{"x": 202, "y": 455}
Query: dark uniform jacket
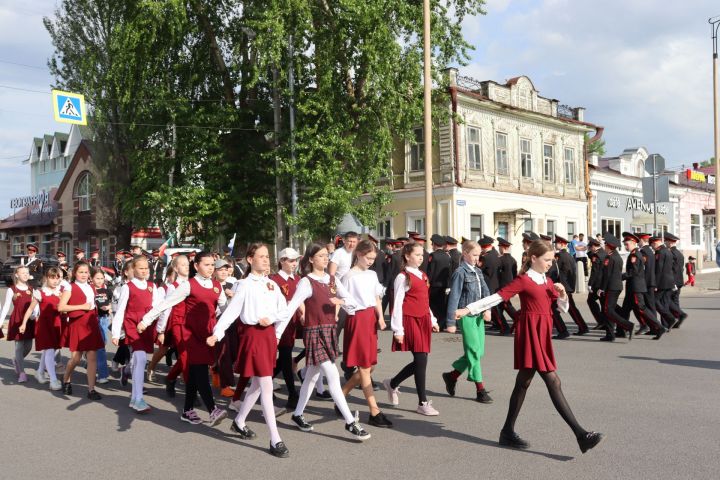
{"x": 490, "y": 261}
{"x": 596, "y": 272}
{"x": 35, "y": 267}
{"x": 649, "y": 258}
{"x": 678, "y": 265}
{"x": 379, "y": 266}
{"x": 157, "y": 267}
{"x": 554, "y": 272}
{"x": 118, "y": 266}
{"x": 393, "y": 269}
{"x": 455, "y": 259}
{"x": 612, "y": 272}
{"x": 439, "y": 269}
{"x": 426, "y": 259}
{"x": 634, "y": 275}
{"x": 664, "y": 275}
{"x": 508, "y": 269}
{"x": 567, "y": 270}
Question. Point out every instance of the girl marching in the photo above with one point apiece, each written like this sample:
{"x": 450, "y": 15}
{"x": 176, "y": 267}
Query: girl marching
{"x": 360, "y": 337}
{"x": 533, "y": 344}
{"x": 47, "y": 326}
{"x": 321, "y": 295}
{"x": 19, "y": 296}
{"x": 83, "y": 330}
{"x": 202, "y": 298}
{"x": 136, "y": 299}
{"x": 412, "y": 323}
{"x": 257, "y": 302}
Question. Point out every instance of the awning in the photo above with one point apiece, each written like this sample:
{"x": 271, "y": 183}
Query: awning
{"x": 514, "y": 211}
{"x": 649, "y": 219}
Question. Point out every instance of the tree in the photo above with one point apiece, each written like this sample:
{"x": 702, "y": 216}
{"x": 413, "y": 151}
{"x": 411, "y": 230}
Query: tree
{"x": 597, "y": 147}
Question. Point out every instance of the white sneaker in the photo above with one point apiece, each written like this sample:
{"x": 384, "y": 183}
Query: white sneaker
{"x": 426, "y": 408}
{"x": 393, "y": 393}
{"x": 235, "y": 405}
{"x": 132, "y": 404}
{"x": 102, "y": 381}
{"x": 55, "y": 385}
{"x": 40, "y": 378}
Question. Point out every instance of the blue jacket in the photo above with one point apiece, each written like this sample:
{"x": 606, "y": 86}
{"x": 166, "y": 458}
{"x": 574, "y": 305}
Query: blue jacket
{"x": 464, "y": 290}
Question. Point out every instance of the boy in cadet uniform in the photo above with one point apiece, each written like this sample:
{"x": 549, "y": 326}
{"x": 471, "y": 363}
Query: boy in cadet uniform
{"x": 567, "y": 267}
{"x": 597, "y": 257}
{"x": 455, "y": 255}
{"x": 611, "y": 287}
{"x": 34, "y": 266}
{"x": 678, "y": 266}
{"x": 508, "y": 272}
{"x": 490, "y": 265}
{"x": 438, "y": 273}
{"x": 665, "y": 279}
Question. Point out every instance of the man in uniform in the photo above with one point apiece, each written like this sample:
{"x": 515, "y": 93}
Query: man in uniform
{"x": 119, "y": 263}
{"x": 636, "y": 287}
{"x": 597, "y": 257}
{"x": 665, "y": 279}
{"x": 611, "y": 287}
{"x": 379, "y": 265}
{"x": 678, "y": 271}
{"x": 455, "y": 255}
{"x": 528, "y": 238}
{"x": 490, "y": 265}
{"x": 157, "y": 267}
{"x": 79, "y": 254}
{"x": 136, "y": 250}
{"x": 34, "y": 265}
{"x": 567, "y": 267}
{"x": 648, "y": 255}
{"x": 439, "y": 278}
{"x": 95, "y": 258}
{"x": 507, "y": 273}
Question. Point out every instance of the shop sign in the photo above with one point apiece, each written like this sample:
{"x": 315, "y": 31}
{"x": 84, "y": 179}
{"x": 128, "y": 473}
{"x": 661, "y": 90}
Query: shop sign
{"x": 41, "y": 198}
{"x": 696, "y": 176}
{"x": 637, "y": 204}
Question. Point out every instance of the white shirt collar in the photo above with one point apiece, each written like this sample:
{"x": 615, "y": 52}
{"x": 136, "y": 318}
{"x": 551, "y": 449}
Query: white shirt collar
{"x": 536, "y": 277}
{"x": 284, "y": 275}
{"x": 140, "y": 283}
{"x": 253, "y": 276}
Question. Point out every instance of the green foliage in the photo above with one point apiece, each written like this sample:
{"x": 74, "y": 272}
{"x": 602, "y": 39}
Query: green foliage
{"x": 597, "y": 147}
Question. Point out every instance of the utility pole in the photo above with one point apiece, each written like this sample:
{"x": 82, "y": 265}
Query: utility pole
{"x": 280, "y": 240}
{"x": 293, "y": 188}
{"x": 427, "y": 121}
{"x": 714, "y": 25}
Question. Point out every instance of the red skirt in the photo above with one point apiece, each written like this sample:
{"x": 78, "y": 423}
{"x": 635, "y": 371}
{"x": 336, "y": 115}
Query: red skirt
{"x": 64, "y": 332}
{"x": 320, "y": 344}
{"x": 257, "y": 350}
{"x": 138, "y": 341}
{"x": 14, "y": 327}
{"x": 84, "y": 333}
{"x": 47, "y": 332}
{"x": 418, "y": 334}
{"x": 360, "y": 339}
{"x": 533, "y": 342}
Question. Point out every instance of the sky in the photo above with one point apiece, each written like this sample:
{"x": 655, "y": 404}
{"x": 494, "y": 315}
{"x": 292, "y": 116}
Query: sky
{"x": 641, "y": 68}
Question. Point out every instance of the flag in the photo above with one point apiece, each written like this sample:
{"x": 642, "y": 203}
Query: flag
{"x": 164, "y": 246}
{"x": 231, "y": 244}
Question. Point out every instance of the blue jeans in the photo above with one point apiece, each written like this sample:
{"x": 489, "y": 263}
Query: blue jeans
{"x": 102, "y": 367}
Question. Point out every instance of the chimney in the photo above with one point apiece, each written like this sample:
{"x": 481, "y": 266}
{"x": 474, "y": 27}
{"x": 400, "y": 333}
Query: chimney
{"x": 594, "y": 160}
{"x": 452, "y": 74}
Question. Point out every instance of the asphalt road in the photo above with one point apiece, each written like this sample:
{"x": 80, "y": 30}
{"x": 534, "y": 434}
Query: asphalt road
{"x": 656, "y": 402}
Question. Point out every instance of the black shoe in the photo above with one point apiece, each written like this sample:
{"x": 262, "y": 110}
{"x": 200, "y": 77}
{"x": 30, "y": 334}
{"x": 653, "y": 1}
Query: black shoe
{"x": 630, "y": 333}
{"x": 291, "y": 403}
{"x": 512, "y": 440}
{"x": 648, "y": 332}
{"x": 67, "y": 388}
{"x": 245, "y": 433}
{"x": 659, "y": 334}
{"x": 356, "y": 431}
{"x": 279, "y": 450}
{"x": 561, "y": 335}
{"x": 682, "y": 318}
{"x": 170, "y": 388}
{"x": 589, "y": 440}
{"x": 620, "y": 334}
{"x": 93, "y": 395}
{"x": 300, "y": 376}
{"x": 642, "y": 330}
{"x": 599, "y": 326}
{"x": 338, "y": 412}
{"x": 450, "y": 383}
{"x": 607, "y": 338}
{"x": 299, "y": 420}
{"x": 483, "y": 397}
{"x": 323, "y": 396}
{"x": 581, "y": 332}
{"x": 380, "y": 421}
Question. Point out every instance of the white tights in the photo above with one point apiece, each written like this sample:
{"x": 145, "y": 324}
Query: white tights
{"x": 330, "y": 371}
{"x": 139, "y": 358}
{"x": 47, "y": 363}
{"x": 319, "y": 384}
{"x": 260, "y": 387}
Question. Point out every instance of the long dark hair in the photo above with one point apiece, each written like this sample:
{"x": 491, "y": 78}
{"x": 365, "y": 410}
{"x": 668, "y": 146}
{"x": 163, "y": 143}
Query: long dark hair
{"x": 250, "y": 253}
{"x": 407, "y": 250}
{"x": 363, "y": 248}
{"x": 312, "y": 250}
{"x": 537, "y": 248}
{"x": 81, "y": 263}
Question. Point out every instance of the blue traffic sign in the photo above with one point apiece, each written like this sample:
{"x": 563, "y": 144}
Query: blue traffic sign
{"x": 69, "y": 107}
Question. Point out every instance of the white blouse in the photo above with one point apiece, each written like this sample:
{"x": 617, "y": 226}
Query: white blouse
{"x": 364, "y": 287}
{"x": 401, "y": 286}
{"x": 88, "y": 291}
{"x": 256, "y": 297}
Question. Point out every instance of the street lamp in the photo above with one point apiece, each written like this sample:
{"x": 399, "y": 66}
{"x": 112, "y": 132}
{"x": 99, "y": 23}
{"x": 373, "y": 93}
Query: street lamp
{"x": 714, "y": 25}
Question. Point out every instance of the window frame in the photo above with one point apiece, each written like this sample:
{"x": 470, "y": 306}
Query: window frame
{"x": 476, "y": 147}
{"x": 526, "y": 158}
{"x": 84, "y": 191}
{"x": 479, "y": 230}
{"x": 549, "y": 163}
{"x": 502, "y": 167}
{"x": 548, "y": 231}
{"x": 569, "y": 166}
{"x": 616, "y": 222}
{"x": 696, "y": 228}
{"x": 417, "y": 150}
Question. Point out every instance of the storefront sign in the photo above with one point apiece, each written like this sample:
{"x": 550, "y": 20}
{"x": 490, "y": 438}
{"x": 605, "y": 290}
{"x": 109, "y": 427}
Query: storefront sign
{"x": 696, "y": 176}
{"x": 637, "y": 204}
{"x": 41, "y": 198}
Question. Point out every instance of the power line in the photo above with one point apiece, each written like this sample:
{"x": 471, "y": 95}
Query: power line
{"x": 23, "y": 65}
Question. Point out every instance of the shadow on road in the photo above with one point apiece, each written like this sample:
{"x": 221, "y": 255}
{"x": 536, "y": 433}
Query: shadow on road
{"x": 682, "y": 362}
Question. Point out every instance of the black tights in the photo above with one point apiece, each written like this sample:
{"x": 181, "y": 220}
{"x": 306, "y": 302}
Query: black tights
{"x": 417, "y": 367}
{"x": 198, "y": 381}
{"x": 284, "y": 365}
{"x": 122, "y": 355}
{"x": 552, "y": 381}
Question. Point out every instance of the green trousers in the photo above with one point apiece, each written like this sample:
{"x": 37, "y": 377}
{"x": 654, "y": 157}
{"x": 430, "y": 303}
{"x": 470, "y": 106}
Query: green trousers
{"x": 473, "y": 334}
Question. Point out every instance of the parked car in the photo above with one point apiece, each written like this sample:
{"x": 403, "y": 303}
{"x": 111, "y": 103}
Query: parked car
{"x": 8, "y": 268}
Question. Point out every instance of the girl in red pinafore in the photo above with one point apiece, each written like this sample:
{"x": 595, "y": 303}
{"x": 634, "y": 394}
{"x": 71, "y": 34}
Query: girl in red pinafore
{"x": 202, "y": 297}
{"x": 287, "y": 279}
{"x": 47, "y": 326}
{"x": 533, "y": 341}
{"x": 412, "y": 324}
{"x": 83, "y": 330}
{"x": 360, "y": 337}
{"x": 136, "y": 299}
{"x": 321, "y": 295}
{"x": 257, "y": 302}
{"x": 19, "y": 296}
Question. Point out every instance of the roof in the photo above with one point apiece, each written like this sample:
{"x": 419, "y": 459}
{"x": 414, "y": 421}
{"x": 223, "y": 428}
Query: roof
{"x": 61, "y": 136}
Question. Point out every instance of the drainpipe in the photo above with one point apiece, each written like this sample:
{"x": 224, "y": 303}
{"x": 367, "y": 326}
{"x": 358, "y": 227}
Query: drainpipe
{"x": 588, "y": 192}
{"x": 453, "y": 98}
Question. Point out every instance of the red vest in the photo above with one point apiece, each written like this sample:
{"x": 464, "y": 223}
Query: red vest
{"x": 200, "y": 308}
{"x": 77, "y": 297}
{"x": 318, "y": 308}
{"x": 417, "y": 301}
{"x": 287, "y": 287}
{"x": 177, "y": 313}
{"x": 49, "y": 309}
{"x": 139, "y": 302}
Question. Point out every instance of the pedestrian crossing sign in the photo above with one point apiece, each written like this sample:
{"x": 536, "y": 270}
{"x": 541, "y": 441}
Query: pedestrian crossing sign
{"x": 69, "y": 107}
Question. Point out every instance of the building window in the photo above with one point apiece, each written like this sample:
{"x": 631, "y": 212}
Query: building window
{"x": 548, "y": 163}
{"x": 83, "y": 191}
{"x": 416, "y": 223}
{"x": 417, "y": 151}
{"x": 476, "y": 226}
{"x": 17, "y": 246}
{"x": 569, "y": 166}
{"x": 46, "y": 247}
{"x": 526, "y": 157}
{"x": 501, "y": 159}
{"x": 612, "y": 225}
{"x": 66, "y": 162}
{"x": 43, "y": 166}
{"x": 527, "y": 225}
{"x": 571, "y": 230}
{"x": 695, "y": 229}
{"x": 384, "y": 229}
{"x": 503, "y": 228}
{"x": 473, "y": 148}
{"x": 53, "y": 164}
{"x": 104, "y": 254}
{"x": 636, "y": 228}
{"x": 550, "y": 230}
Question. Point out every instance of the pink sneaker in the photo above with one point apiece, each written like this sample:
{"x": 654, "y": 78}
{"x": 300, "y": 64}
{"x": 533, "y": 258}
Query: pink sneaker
{"x": 22, "y": 377}
{"x": 191, "y": 417}
{"x": 217, "y": 416}
{"x": 426, "y": 408}
{"x": 393, "y": 398}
